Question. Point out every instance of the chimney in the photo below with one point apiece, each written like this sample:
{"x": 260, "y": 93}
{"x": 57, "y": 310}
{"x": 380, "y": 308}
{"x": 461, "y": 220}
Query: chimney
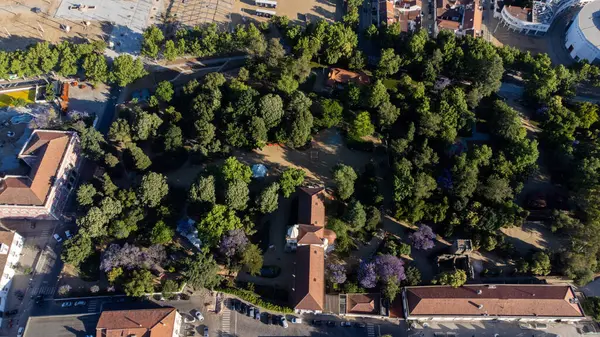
{"x": 479, "y": 291}
{"x": 480, "y": 306}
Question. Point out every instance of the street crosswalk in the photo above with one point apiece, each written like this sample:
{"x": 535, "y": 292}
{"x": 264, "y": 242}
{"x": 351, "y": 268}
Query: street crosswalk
{"x": 225, "y": 321}
{"x": 93, "y": 306}
{"x": 370, "y": 330}
{"x": 43, "y": 290}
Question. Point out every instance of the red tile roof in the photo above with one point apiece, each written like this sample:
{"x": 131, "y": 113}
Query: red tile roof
{"x": 339, "y": 75}
{"x": 309, "y": 288}
{"x": 47, "y": 149}
{"x": 502, "y": 300}
{"x": 362, "y": 303}
{"x": 142, "y": 323}
{"x": 311, "y": 206}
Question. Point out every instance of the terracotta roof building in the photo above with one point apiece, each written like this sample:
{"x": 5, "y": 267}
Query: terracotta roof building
{"x": 310, "y": 239}
{"x": 490, "y": 302}
{"x": 342, "y": 76}
{"x": 11, "y": 245}
{"x": 309, "y": 288}
{"x": 405, "y": 12}
{"x": 463, "y": 17}
{"x": 53, "y": 160}
{"x": 162, "y": 322}
{"x": 363, "y": 304}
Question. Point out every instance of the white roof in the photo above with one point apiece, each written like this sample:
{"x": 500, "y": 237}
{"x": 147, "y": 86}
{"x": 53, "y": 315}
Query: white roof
{"x": 588, "y": 20}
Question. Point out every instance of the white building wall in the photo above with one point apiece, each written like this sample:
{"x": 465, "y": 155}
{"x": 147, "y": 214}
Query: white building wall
{"x": 582, "y": 48}
{"x": 522, "y": 26}
{"x": 177, "y": 325}
{"x": 8, "y": 273}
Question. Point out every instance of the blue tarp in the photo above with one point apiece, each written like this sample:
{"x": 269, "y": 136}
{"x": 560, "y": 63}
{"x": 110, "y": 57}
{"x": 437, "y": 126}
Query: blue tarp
{"x": 259, "y": 171}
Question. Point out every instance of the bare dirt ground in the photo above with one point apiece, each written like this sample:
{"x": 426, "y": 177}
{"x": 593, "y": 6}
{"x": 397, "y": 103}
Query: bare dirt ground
{"x": 327, "y": 151}
{"x": 89, "y": 99}
{"x": 20, "y": 27}
{"x": 532, "y": 235}
{"x": 297, "y": 11}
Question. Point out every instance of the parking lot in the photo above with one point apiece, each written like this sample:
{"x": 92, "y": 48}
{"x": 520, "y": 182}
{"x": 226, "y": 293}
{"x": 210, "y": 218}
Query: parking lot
{"x": 236, "y": 321}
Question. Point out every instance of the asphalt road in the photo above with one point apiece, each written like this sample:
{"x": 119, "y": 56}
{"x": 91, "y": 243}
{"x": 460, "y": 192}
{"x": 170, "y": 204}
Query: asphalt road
{"x": 45, "y": 275}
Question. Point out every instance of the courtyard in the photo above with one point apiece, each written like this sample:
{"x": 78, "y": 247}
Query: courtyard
{"x": 551, "y": 43}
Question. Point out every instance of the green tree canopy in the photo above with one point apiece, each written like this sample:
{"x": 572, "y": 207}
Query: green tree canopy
{"x": 201, "y": 271}
{"x": 344, "y": 177}
{"x": 540, "y": 264}
{"x": 161, "y": 234}
{"x": 356, "y": 216}
{"x": 268, "y": 200}
{"x": 237, "y": 195}
{"x": 203, "y": 190}
{"x": 164, "y": 91}
{"x": 252, "y": 259}
{"x": 215, "y": 223}
{"x": 233, "y": 169}
{"x": 290, "y": 179}
{"x": 141, "y": 282}
{"x": 361, "y": 126}
{"x": 77, "y": 249}
{"x": 153, "y": 189}
{"x": 86, "y": 194}
{"x": 126, "y": 70}
{"x": 455, "y": 278}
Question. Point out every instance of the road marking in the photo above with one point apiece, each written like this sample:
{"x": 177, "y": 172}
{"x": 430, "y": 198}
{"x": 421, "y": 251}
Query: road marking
{"x": 44, "y": 290}
{"x": 93, "y": 305}
{"x": 370, "y": 330}
{"x": 225, "y": 321}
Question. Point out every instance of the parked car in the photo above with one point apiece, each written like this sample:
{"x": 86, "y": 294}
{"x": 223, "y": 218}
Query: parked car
{"x": 360, "y": 325}
{"x": 283, "y": 322}
{"x": 66, "y": 304}
{"x": 243, "y": 308}
{"x": 57, "y": 237}
{"x": 251, "y": 311}
{"x": 10, "y": 313}
{"x": 198, "y": 315}
{"x": 330, "y": 323}
{"x": 205, "y": 331}
{"x": 270, "y": 271}
{"x": 296, "y": 320}
{"x": 80, "y": 303}
{"x": 345, "y": 324}
{"x": 188, "y": 319}
{"x": 268, "y": 318}
{"x": 275, "y": 319}
{"x": 257, "y": 314}
{"x": 68, "y": 234}
{"x": 238, "y": 305}
{"x": 317, "y": 322}
{"x": 20, "y": 332}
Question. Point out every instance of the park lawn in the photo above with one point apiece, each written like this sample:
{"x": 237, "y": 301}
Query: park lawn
{"x": 391, "y": 83}
{"x": 7, "y": 98}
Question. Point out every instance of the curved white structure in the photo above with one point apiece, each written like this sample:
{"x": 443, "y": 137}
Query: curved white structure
{"x": 583, "y": 37}
{"x": 536, "y": 20}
